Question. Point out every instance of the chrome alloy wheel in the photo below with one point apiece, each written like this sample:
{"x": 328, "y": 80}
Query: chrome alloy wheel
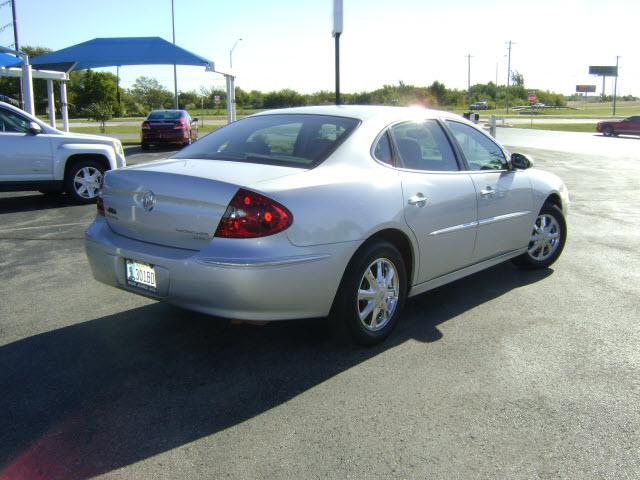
{"x": 545, "y": 238}
{"x": 86, "y": 182}
{"x": 378, "y": 294}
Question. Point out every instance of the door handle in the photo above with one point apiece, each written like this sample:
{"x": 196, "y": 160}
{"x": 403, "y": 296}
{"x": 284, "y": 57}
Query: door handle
{"x": 418, "y": 199}
{"x": 488, "y": 192}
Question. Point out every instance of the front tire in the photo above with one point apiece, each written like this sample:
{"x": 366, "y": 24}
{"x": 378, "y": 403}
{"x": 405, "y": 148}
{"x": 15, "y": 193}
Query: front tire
{"x": 547, "y": 240}
{"x": 83, "y": 179}
{"x": 371, "y": 295}
{"x": 607, "y": 131}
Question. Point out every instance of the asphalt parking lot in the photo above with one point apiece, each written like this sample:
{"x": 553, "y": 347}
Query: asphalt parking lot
{"x": 505, "y": 374}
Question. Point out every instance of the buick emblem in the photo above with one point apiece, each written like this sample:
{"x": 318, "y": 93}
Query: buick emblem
{"x": 149, "y": 200}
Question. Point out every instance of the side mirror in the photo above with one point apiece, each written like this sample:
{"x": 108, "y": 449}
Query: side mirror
{"x": 194, "y": 120}
{"x": 521, "y": 161}
{"x": 34, "y": 128}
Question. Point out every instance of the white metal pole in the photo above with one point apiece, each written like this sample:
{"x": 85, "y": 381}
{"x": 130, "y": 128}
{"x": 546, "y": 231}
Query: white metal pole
{"x": 175, "y": 72}
{"x": 232, "y": 89}
{"x": 27, "y": 82}
{"x": 229, "y": 104}
{"x": 52, "y": 104}
{"x": 63, "y": 105}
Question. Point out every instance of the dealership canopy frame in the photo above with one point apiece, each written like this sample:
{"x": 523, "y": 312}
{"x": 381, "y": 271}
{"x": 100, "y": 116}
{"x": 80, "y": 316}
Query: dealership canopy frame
{"x": 124, "y": 51}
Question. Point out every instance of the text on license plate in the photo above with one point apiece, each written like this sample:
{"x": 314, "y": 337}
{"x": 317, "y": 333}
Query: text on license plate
{"x": 140, "y": 274}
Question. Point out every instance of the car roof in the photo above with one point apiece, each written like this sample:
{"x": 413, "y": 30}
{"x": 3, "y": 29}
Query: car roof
{"x": 364, "y": 112}
{"x": 167, "y": 110}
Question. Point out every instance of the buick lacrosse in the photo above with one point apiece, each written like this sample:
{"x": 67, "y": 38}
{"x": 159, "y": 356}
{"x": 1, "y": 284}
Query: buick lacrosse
{"x": 336, "y": 211}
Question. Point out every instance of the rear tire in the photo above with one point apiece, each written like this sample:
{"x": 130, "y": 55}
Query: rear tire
{"x": 83, "y": 179}
{"x": 547, "y": 241}
{"x": 371, "y": 296}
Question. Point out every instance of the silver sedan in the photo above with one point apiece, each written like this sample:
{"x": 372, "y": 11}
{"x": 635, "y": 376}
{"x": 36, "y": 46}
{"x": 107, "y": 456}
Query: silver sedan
{"x": 339, "y": 212}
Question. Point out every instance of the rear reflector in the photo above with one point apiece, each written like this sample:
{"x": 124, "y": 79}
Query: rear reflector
{"x": 251, "y": 215}
{"x": 99, "y": 201}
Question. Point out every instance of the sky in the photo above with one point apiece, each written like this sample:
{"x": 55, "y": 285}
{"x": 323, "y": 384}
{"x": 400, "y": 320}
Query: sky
{"x": 288, "y": 43}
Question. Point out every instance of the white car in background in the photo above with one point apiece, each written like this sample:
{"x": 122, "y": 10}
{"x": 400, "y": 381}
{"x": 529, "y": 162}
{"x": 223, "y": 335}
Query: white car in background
{"x": 35, "y": 156}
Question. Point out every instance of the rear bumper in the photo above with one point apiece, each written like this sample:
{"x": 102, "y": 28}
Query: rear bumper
{"x": 164, "y": 136}
{"x": 291, "y": 283}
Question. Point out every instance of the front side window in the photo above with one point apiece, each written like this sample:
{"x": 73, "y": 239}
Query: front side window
{"x": 13, "y": 123}
{"x": 480, "y": 152}
{"x": 290, "y": 140}
{"x": 423, "y": 146}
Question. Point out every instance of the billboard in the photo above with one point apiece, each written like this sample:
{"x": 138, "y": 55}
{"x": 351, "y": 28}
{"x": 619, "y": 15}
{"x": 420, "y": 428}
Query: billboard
{"x": 604, "y": 71}
{"x": 585, "y": 88}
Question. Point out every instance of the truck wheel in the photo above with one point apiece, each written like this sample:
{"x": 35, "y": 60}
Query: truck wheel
{"x": 83, "y": 180}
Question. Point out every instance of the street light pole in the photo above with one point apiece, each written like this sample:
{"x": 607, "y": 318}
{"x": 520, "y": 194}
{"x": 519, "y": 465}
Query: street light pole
{"x": 468, "y": 55}
{"x": 175, "y": 73}
{"x": 508, "y": 76}
{"x": 337, "y": 58}
{"x": 615, "y": 86}
{"x": 231, "y": 52}
{"x": 16, "y": 46}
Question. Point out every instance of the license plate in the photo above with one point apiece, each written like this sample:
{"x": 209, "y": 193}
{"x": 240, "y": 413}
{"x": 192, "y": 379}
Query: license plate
{"x": 140, "y": 275}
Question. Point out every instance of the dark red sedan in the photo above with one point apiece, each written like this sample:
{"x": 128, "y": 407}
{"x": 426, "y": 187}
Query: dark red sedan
{"x": 169, "y": 126}
{"x": 628, "y": 126}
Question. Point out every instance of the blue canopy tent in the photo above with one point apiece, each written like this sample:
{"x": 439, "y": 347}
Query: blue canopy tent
{"x": 9, "y": 60}
{"x": 24, "y": 73}
{"x": 117, "y": 52}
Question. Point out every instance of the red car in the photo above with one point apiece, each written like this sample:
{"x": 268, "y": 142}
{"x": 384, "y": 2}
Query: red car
{"x": 628, "y": 126}
{"x": 169, "y": 126}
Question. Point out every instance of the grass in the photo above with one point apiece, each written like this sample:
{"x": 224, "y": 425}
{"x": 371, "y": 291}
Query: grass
{"x": 561, "y": 127}
{"x": 131, "y": 129}
{"x": 575, "y": 110}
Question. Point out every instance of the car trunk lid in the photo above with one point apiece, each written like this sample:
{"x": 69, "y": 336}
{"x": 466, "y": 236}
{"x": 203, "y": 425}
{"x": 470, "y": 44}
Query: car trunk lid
{"x": 178, "y": 203}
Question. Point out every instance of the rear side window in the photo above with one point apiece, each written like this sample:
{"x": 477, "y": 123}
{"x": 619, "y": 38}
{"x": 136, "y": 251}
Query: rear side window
{"x": 424, "y": 146}
{"x": 382, "y": 150}
{"x": 290, "y": 140}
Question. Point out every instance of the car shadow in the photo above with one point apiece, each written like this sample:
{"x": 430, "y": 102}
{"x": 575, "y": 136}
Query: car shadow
{"x": 96, "y": 396}
{"x": 620, "y": 136}
{"x": 32, "y": 201}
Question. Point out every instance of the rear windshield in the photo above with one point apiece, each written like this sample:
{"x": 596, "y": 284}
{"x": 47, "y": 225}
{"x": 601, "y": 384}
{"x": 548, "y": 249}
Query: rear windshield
{"x": 164, "y": 115}
{"x": 290, "y": 140}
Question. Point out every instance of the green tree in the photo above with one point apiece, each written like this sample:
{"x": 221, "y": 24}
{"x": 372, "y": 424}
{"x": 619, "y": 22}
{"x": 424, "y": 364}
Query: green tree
{"x": 283, "y": 98}
{"x": 150, "y": 93}
{"x": 517, "y": 79}
{"x": 100, "y": 112}
{"x": 88, "y": 87}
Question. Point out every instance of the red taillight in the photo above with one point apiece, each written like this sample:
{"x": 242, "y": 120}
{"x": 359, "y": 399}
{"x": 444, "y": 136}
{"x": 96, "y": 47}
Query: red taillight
{"x": 251, "y": 215}
{"x": 180, "y": 126}
{"x": 146, "y": 126}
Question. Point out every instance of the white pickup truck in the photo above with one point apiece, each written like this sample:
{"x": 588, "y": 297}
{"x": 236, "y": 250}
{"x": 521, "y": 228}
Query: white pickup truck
{"x": 35, "y": 156}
